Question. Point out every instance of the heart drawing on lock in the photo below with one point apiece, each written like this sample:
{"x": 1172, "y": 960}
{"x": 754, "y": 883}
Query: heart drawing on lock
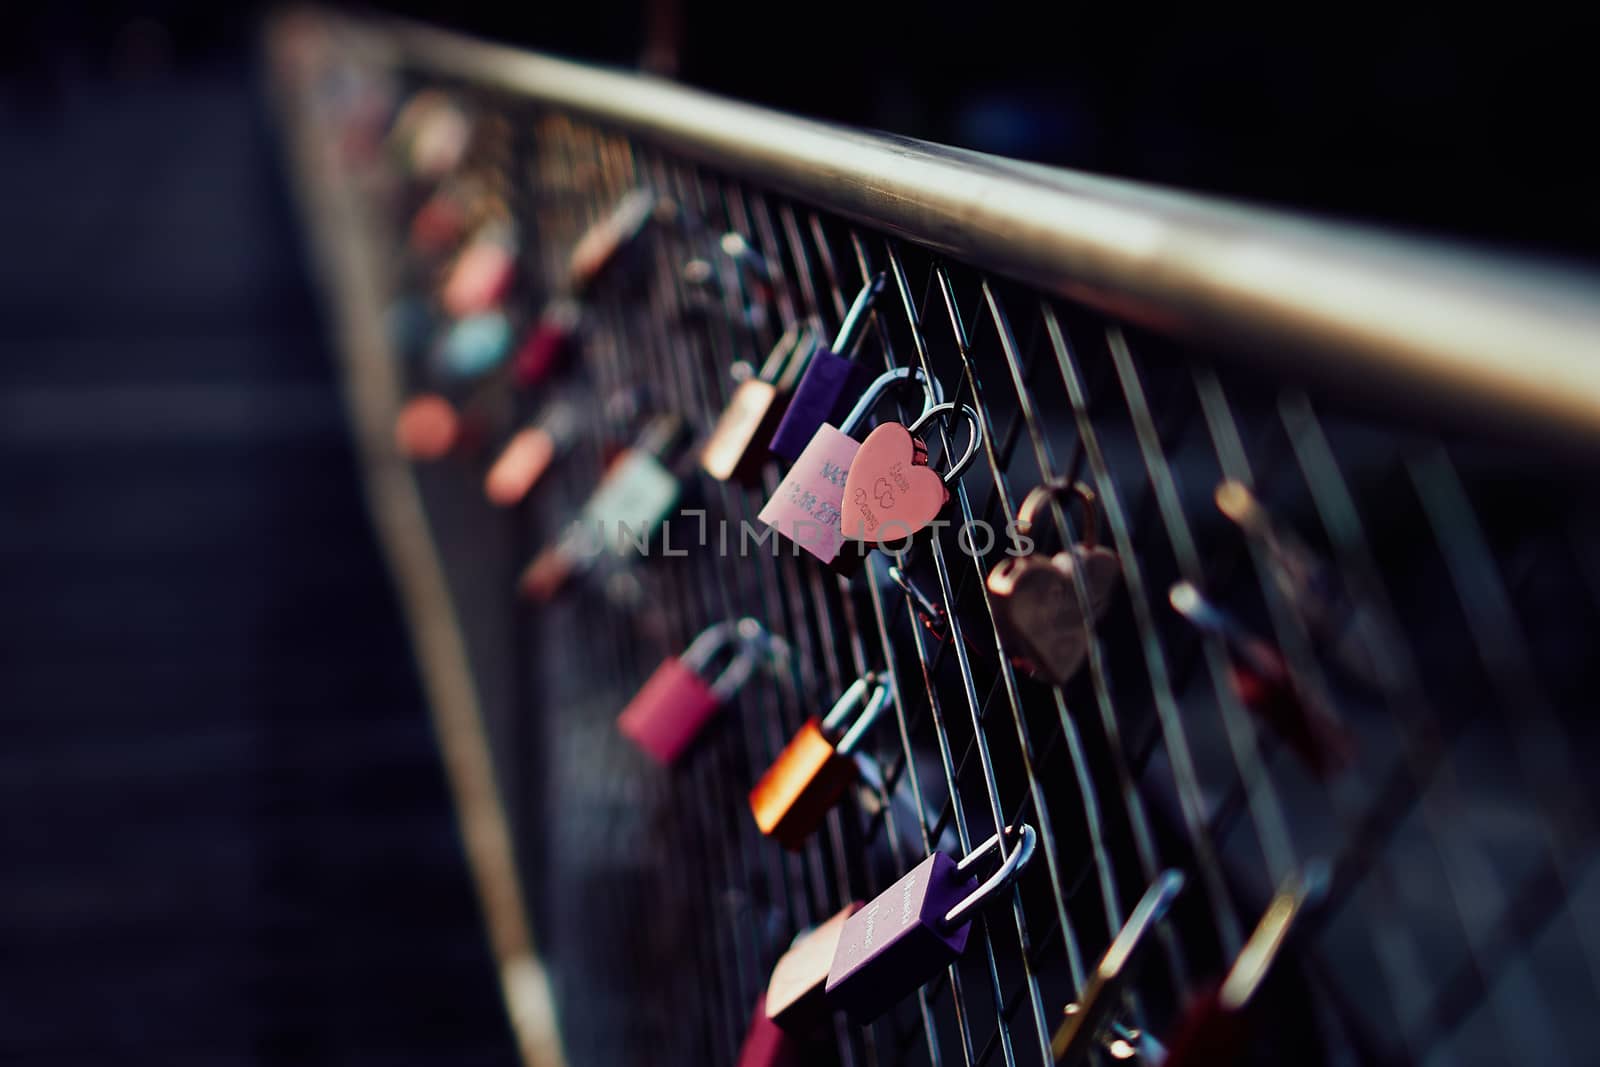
{"x": 1040, "y": 611}
{"x": 888, "y": 493}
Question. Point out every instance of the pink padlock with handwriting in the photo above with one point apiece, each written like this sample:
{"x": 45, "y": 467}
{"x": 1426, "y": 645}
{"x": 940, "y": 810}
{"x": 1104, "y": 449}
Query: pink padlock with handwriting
{"x": 806, "y": 507}
{"x": 671, "y": 709}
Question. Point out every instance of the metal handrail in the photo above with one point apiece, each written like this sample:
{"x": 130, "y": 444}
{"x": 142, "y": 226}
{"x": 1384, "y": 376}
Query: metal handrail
{"x": 1511, "y": 339}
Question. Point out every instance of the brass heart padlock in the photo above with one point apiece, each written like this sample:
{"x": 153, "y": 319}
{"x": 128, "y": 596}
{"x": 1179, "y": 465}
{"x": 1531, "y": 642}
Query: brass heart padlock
{"x": 1040, "y": 601}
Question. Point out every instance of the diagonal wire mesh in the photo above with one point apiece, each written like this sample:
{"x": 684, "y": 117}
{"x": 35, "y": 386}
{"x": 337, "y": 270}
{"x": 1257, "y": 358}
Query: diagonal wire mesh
{"x": 1460, "y": 925}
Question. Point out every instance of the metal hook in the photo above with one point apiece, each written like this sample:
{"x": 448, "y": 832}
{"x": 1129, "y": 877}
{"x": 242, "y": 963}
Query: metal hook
{"x": 933, "y": 615}
{"x": 1040, "y": 495}
{"x": 1009, "y": 869}
{"x": 881, "y": 688}
{"x": 973, "y": 442}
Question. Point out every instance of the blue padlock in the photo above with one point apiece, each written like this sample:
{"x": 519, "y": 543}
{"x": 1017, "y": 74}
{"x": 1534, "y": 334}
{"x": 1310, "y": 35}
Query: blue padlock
{"x": 831, "y": 383}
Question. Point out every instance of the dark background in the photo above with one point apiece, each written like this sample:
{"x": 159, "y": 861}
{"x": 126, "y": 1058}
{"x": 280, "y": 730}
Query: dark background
{"x": 1471, "y": 122}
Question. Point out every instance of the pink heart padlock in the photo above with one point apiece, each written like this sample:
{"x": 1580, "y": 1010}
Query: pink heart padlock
{"x": 890, "y": 492}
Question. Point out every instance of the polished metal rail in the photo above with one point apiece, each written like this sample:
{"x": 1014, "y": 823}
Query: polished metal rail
{"x": 1514, "y": 340}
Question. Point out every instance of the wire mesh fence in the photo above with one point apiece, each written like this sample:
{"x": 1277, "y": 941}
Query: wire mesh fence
{"x": 1339, "y": 638}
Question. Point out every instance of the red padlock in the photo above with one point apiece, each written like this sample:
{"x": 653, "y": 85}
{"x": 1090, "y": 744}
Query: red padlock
{"x": 764, "y": 1044}
{"x": 1215, "y": 1030}
{"x": 1268, "y": 689}
{"x": 676, "y": 702}
{"x": 542, "y": 351}
{"x": 813, "y": 771}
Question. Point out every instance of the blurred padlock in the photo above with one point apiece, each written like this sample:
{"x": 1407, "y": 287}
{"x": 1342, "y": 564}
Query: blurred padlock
{"x": 547, "y": 344}
{"x": 480, "y": 276}
{"x": 813, "y": 771}
{"x": 832, "y": 380}
{"x": 430, "y": 135}
{"x": 1268, "y": 689}
{"x": 1340, "y": 626}
{"x": 765, "y": 1044}
{"x": 637, "y": 493}
{"x": 917, "y": 926}
{"x": 529, "y": 453}
{"x": 737, "y": 448}
{"x": 603, "y": 242}
{"x": 1089, "y": 1019}
{"x": 675, "y": 704}
{"x": 796, "y": 999}
{"x": 1214, "y": 1030}
{"x": 475, "y": 346}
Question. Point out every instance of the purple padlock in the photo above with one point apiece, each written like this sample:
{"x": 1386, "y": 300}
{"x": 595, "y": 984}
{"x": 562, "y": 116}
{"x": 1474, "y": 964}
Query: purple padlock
{"x": 916, "y": 927}
{"x": 831, "y": 383}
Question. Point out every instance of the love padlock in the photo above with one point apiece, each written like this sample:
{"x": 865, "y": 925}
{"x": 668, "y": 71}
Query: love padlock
{"x": 431, "y": 135}
{"x": 675, "y": 704}
{"x": 1089, "y": 1019}
{"x": 544, "y": 347}
{"x": 917, "y": 926}
{"x": 530, "y": 452}
{"x": 737, "y": 448}
{"x": 637, "y": 493}
{"x": 796, "y": 1000}
{"x": 813, "y": 771}
{"x": 481, "y": 274}
{"x": 1268, "y": 689}
{"x": 831, "y": 380}
{"x": 1215, "y": 1028}
{"x": 602, "y": 244}
{"x": 474, "y": 346}
{"x": 806, "y": 507}
{"x": 1045, "y": 605}
{"x": 890, "y": 491}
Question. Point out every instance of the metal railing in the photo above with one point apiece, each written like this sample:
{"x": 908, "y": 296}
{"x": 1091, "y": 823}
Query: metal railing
{"x": 1153, "y": 347}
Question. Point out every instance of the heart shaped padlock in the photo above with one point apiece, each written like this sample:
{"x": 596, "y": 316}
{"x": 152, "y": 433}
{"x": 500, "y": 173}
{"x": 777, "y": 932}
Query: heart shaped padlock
{"x": 890, "y": 492}
{"x": 1045, "y": 604}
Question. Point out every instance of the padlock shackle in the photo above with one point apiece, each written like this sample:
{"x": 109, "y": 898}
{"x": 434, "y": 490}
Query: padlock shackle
{"x": 772, "y": 367}
{"x": 855, "y": 319}
{"x": 1040, "y": 495}
{"x": 1009, "y": 869}
{"x": 881, "y": 688}
{"x": 932, "y": 395}
{"x": 743, "y": 635}
{"x": 965, "y": 461}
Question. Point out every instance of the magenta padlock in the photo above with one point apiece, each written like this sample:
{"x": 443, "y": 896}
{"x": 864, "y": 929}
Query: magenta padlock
{"x": 765, "y": 1045}
{"x": 806, "y": 507}
{"x": 916, "y": 927}
{"x": 831, "y": 380}
{"x": 671, "y": 709}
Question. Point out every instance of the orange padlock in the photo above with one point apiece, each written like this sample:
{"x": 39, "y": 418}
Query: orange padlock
{"x": 815, "y": 768}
